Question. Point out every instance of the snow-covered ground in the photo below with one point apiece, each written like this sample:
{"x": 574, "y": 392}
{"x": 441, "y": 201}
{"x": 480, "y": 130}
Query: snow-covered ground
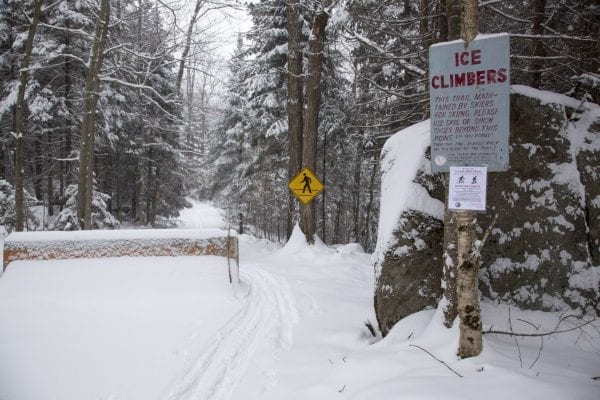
{"x": 173, "y": 328}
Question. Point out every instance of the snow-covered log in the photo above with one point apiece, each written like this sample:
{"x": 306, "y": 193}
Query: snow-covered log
{"x": 121, "y": 243}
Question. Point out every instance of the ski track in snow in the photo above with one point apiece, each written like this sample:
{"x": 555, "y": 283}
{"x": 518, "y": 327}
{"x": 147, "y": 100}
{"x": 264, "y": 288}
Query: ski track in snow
{"x": 269, "y": 311}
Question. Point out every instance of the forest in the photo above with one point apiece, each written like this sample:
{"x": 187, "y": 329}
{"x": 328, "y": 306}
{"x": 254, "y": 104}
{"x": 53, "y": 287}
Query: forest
{"x": 114, "y": 113}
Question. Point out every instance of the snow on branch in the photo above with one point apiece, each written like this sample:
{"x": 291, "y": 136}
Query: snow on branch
{"x": 409, "y": 66}
{"x": 553, "y": 37}
{"x": 137, "y": 86}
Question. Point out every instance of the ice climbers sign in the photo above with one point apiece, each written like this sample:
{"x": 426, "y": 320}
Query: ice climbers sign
{"x": 469, "y": 100}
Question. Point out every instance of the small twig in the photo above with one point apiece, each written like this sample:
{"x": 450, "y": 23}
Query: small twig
{"x": 537, "y": 328}
{"x": 344, "y": 359}
{"x": 342, "y": 389}
{"x": 538, "y": 334}
{"x": 514, "y": 338}
{"x": 447, "y": 366}
{"x": 488, "y": 231}
{"x": 539, "y": 353}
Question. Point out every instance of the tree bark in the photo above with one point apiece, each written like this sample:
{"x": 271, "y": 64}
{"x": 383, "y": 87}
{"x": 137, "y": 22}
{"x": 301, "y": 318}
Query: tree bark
{"x": 311, "y": 114}
{"x": 470, "y": 20}
{"x": 19, "y": 118}
{"x": 369, "y": 210}
{"x": 470, "y": 341}
{"x": 453, "y": 12}
{"x": 295, "y": 103}
{"x": 537, "y": 44}
{"x": 424, "y": 30}
{"x": 450, "y": 260}
{"x": 88, "y": 127}
{"x": 356, "y": 185}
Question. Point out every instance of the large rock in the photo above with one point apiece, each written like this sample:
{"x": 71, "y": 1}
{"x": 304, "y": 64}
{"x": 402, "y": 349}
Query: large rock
{"x": 541, "y": 251}
{"x": 410, "y": 279}
{"x": 544, "y": 251}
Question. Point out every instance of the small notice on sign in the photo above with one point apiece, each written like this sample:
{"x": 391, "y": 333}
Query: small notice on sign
{"x": 467, "y": 188}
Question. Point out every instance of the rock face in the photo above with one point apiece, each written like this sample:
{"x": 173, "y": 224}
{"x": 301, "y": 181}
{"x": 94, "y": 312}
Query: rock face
{"x": 544, "y": 251}
{"x": 410, "y": 280}
{"x": 541, "y": 251}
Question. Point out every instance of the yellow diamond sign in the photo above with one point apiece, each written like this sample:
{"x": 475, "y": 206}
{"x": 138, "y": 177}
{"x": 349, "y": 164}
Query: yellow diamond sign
{"x": 306, "y": 186}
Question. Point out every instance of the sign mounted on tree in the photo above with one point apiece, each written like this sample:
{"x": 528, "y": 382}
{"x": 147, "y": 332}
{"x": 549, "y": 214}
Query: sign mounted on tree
{"x": 469, "y": 100}
{"x": 306, "y": 186}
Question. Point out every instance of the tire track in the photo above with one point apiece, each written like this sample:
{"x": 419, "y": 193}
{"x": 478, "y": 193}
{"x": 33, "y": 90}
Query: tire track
{"x": 269, "y": 306}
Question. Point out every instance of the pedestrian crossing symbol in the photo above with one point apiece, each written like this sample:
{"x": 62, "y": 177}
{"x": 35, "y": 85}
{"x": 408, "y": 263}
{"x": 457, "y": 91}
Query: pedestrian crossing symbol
{"x": 306, "y": 186}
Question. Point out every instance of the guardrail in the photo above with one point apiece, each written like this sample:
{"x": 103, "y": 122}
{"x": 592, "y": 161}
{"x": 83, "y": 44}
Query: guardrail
{"x": 56, "y": 245}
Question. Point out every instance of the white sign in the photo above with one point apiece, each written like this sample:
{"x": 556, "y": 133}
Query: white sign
{"x": 469, "y": 100}
{"x": 468, "y": 187}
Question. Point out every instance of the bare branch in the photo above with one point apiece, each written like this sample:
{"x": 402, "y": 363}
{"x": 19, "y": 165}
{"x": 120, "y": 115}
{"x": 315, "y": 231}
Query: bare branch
{"x": 446, "y": 365}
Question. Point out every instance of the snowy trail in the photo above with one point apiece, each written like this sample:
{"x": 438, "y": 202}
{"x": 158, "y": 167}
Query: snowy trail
{"x": 269, "y": 312}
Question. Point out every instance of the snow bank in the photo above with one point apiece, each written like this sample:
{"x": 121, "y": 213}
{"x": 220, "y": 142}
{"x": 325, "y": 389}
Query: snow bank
{"x": 402, "y": 156}
{"x": 107, "y": 328}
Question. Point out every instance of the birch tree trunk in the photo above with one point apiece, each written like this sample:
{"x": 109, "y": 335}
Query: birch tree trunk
{"x": 88, "y": 126}
{"x": 20, "y": 115}
{"x": 450, "y": 257}
{"x": 470, "y": 341}
{"x": 311, "y": 114}
{"x": 467, "y": 288}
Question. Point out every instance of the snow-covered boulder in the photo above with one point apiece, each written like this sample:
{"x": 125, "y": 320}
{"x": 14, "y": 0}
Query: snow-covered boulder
{"x": 410, "y": 236}
{"x": 544, "y": 252}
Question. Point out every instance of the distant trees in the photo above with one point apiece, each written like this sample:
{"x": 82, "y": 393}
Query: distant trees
{"x": 100, "y": 108}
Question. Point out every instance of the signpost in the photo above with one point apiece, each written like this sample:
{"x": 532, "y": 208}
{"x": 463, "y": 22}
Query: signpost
{"x": 306, "y": 186}
{"x": 469, "y": 100}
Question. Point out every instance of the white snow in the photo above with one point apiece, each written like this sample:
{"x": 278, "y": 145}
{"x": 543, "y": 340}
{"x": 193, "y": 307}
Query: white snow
{"x": 172, "y": 328}
{"x": 401, "y": 157}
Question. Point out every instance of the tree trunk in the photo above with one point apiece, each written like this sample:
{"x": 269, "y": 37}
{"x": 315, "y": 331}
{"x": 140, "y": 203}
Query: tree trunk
{"x": 311, "y": 114}
{"x": 470, "y": 341}
{"x": 295, "y": 102}
{"x": 88, "y": 125}
{"x": 356, "y": 184}
{"x": 450, "y": 260}
{"x": 470, "y": 20}
{"x": 453, "y": 12}
{"x": 369, "y": 210}
{"x": 49, "y": 170}
{"x": 424, "y": 30}
{"x": 442, "y": 21}
{"x": 537, "y": 44}
{"x": 141, "y": 169}
{"x": 188, "y": 44}
{"x": 38, "y": 169}
{"x": 19, "y": 118}
{"x": 119, "y": 180}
